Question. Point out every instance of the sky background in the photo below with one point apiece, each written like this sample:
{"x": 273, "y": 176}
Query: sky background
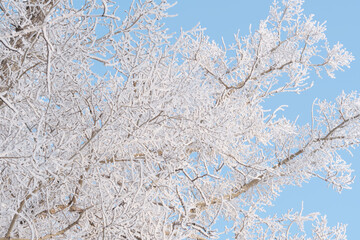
{"x": 224, "y": 18}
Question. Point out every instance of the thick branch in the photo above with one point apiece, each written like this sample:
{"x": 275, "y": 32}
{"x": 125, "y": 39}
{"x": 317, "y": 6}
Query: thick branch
{"x": 247, "y": 186}
{"x": 258, "y": 179}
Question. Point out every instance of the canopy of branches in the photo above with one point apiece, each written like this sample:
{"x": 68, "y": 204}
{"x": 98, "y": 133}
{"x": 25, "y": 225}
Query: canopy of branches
{"x": 113, "y": 128}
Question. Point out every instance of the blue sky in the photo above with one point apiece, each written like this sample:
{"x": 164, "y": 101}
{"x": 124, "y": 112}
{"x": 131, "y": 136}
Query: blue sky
{"x": 224, "y": 18}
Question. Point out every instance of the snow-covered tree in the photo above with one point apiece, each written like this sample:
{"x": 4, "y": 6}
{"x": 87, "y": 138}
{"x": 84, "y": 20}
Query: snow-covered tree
{"x": 113, "y": 128}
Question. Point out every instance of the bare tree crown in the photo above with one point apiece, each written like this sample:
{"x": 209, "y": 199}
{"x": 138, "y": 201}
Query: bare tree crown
{"x": 113, "y": 128}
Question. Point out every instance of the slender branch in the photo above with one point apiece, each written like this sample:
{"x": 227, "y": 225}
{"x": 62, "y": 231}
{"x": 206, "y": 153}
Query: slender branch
{"x": 48, "y": 61}
{"x": 48, "y": 236}
{"x": 337, "y": 127}
{"x": 15, "y": 217}
{"x": 213, "y": 74}
{"x": 4, "y": 100}
{"x": 10, "y": 48}
{"x": 230, "y": 90}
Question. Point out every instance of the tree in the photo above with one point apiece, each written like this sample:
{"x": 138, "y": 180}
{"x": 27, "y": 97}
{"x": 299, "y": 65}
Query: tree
{"x": 113, "y": 128}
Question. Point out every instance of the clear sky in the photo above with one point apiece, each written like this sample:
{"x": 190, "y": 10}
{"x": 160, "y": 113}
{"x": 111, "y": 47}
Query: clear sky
{"x": 224, "y": 18}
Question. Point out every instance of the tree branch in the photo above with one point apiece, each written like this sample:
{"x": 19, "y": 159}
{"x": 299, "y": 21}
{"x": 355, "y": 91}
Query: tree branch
{"x": 202, "y": 205}
{"x": 48, "y": 236}
{"x": 15, "y": 217}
